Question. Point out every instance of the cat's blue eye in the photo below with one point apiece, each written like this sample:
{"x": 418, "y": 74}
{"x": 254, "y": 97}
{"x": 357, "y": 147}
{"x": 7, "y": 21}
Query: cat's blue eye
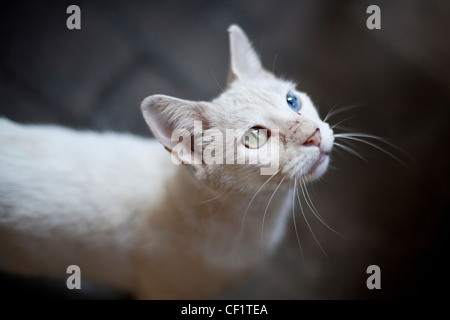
{"x": 293, "y": 101}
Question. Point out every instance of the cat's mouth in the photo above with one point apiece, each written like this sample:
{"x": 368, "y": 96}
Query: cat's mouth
{"x": 316, "y": 166}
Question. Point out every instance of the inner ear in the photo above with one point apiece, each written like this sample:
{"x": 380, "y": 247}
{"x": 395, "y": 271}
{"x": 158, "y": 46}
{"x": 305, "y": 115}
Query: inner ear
{"x": 167, "y": 116}
{"x": 244, "y": 62}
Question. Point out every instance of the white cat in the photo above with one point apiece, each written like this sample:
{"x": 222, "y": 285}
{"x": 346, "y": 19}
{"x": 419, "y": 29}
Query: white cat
{"x": 120, "y": 209}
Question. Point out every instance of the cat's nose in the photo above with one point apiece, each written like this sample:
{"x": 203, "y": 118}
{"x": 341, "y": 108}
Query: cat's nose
{"x": 314, "y": 139}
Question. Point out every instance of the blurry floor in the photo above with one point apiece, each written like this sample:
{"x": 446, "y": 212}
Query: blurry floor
{"x": 392, "y": 215}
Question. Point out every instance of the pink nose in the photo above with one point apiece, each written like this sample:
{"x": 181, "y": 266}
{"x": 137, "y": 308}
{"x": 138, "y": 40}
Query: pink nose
{"x": 314, "y": 139}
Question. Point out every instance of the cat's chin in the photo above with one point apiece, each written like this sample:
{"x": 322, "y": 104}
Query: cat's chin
{"x": 319, "y": 167}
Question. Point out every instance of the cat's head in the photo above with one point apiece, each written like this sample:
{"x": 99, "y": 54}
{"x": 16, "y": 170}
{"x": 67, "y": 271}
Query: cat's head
{"x": 260, "y": 125}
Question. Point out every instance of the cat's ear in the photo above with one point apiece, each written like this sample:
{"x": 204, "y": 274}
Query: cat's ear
{"x": 245, "y": 63}
{"x": 169, "y": 117}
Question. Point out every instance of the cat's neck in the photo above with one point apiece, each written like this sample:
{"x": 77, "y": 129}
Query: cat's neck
{"x": 231, "y": 216}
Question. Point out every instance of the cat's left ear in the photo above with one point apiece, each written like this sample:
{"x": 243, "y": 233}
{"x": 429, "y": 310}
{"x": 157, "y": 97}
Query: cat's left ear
{"x": 169, "y": 117}
{"x": 245, "y": 63}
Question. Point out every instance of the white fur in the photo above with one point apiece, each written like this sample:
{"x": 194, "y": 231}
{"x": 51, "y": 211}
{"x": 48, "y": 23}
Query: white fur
{"x": 116, "y": 206}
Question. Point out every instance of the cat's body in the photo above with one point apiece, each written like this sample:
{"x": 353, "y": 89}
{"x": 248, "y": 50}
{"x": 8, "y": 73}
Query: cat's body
{"x": 116, "y": 206}
{"x": 124, "y": 213}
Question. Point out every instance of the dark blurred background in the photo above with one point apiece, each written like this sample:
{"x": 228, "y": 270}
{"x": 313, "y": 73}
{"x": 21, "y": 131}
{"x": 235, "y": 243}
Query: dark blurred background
{"x": 392, "y": 215}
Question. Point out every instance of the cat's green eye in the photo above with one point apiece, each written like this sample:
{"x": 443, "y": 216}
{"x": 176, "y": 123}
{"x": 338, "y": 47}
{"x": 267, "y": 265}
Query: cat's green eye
{"x": 255, "y": 137}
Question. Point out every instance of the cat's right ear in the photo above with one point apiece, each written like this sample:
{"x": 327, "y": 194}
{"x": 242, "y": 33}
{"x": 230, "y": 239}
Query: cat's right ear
{"x": 244, "y": 62}
{"x": 168, "y": 117}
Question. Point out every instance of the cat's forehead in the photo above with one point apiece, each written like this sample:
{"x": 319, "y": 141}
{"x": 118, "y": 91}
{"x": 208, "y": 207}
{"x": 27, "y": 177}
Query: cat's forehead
{"x": 269, "y": 85}
{"x": 256, "y": 103}
{"x": 264, "y": 93}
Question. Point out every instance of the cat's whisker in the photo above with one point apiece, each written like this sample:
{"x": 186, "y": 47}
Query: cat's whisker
{"x": 349, "y": 150}
{"x": 215, "y": 78}
{"x": 307, "y": 223}
{"x": 253, "y": 198}
{"x": 340, "y": 122}
{"x": 219, "y": 212}
{"x": 358, "y": 137}
{"x": 330, "y": 113}
{"x": 366, "y": 135}
{"x": 265, "y": 212}
{"x": 295, "y": 222}
{"x": 309, "y": 201}
{"x": 212, "y": 199}
{"x": 313, "y": 208}
{"x": 335, "y": 111}
{"x": 274, "y": 61}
